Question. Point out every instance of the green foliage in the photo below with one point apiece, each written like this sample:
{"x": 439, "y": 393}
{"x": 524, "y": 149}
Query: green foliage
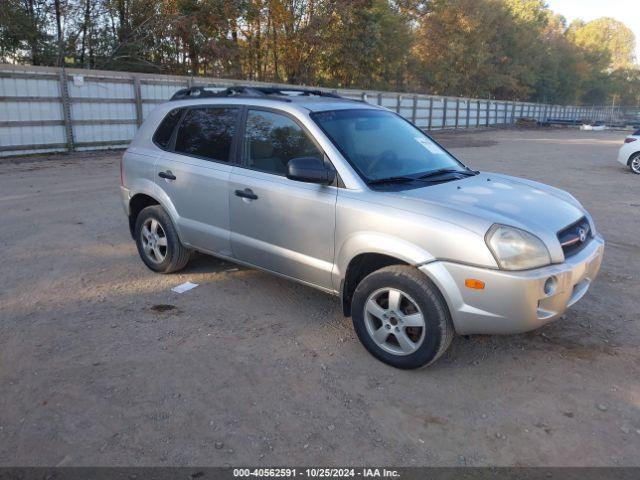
{"x": 508, "y": 49}
{"x": 607, "y": 42}
{"x": 24, "y": 33}
{"x": 367, "y": 45}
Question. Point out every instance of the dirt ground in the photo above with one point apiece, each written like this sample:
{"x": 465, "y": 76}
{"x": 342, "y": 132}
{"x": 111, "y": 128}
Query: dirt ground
{"x": 101, "y": 364}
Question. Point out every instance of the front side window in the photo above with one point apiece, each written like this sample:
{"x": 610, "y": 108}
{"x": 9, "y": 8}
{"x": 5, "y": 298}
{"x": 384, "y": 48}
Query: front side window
{"x": 381, "y": 145}
{"x": 207, "y": 132}
{"x": 166, "y": 127}
{"x": 271, "y": 140}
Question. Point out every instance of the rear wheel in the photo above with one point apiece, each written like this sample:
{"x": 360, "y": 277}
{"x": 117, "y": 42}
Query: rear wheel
{"x": 158, "y": 242}
{"x": 401, "y": 318}
{"x": 634, "y": 163}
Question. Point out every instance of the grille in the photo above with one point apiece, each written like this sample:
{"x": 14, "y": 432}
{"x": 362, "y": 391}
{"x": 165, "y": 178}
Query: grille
{"x": 575, "y": 237}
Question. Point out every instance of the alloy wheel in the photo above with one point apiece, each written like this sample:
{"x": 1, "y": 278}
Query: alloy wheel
{"x": 154, "y": 241}
{"x": 394, "y": 321}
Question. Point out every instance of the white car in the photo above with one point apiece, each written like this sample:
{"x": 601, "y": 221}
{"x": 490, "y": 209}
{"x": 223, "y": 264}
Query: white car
{"x": 629, "y": 153}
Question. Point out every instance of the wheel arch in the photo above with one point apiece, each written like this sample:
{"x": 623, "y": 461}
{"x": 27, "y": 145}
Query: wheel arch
{"x": 145, "y": 196}
{"x": 137, "y": 203}
{"x": 366, "y": 253}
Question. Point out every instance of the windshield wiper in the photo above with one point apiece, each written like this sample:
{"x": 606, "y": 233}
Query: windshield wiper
{"x": 444, "y": 171}
{"x": 399, "y": 179}
{"x": 422, "y": 178}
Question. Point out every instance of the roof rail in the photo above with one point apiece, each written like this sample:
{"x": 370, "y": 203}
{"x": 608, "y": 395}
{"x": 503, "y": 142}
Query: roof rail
{"x": 204, "y": 91}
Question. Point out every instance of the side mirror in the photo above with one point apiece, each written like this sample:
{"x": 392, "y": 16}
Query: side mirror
{"x": 310, "y": 170}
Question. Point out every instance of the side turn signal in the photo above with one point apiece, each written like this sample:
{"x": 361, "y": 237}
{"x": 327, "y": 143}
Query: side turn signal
{"x": 474, "y": 283}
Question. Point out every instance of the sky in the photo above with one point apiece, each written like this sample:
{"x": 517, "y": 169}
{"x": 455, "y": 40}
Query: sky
{"x": 627, "y": 11}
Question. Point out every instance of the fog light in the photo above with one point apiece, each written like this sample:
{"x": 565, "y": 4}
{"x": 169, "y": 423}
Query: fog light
{"x": 550, "y": 286}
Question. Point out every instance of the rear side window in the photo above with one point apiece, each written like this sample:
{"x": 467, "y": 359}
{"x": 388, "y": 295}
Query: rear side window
{"x": 165, "y": 130}
{"x": 207, "y": 132}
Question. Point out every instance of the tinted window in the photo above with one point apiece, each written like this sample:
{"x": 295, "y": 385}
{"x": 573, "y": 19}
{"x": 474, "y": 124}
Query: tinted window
{"x": 207, "y": 132}
{"x": 271, "y": 140}
{"x": 380, "y": 144}
{"x": 164, "y": 131}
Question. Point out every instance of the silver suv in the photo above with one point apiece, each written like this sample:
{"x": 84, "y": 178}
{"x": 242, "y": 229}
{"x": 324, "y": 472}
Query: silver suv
{"x": 352, "y": 199}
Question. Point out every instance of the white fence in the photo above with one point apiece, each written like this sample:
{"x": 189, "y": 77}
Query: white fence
{"x": 45, "y": 109}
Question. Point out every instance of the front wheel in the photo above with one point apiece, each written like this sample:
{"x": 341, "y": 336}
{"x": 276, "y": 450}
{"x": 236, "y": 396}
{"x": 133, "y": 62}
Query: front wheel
{"x": 401, "y": 317}
{"x": 158, "y": 242}
{"x": 634, "y": 163}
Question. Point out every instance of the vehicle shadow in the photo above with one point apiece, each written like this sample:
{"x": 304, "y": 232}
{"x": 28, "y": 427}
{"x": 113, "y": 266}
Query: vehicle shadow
{"x": 201, "y": 263}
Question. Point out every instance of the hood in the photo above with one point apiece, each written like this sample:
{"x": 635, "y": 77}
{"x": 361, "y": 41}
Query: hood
{"x": 493, "y": 198}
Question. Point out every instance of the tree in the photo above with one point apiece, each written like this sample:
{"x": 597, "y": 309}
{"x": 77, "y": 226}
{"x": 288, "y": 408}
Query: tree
{"x": 367, "y": 45}
{"x": 24, "y": 33}
{"x": 507, "y": 49}
{"x": 609, "y": 42}
{"x": 474, "y": 48}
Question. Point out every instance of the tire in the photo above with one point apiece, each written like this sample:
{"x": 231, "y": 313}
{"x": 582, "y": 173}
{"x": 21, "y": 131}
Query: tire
{"x": 417, "y": 296}
{"x": 154, "y": 228}
{"x": 634, "y": 163}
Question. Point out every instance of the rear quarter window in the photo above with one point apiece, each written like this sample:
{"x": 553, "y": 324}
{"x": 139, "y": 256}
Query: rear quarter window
{"x": 163, "y": 133}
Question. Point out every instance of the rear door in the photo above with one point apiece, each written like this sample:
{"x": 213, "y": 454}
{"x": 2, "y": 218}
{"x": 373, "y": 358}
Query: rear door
{"x": 194, "y": 172}
{"x": 279, "y": 224}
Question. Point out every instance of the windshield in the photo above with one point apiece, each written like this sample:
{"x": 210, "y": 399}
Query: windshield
{"x": 381, "y": 145}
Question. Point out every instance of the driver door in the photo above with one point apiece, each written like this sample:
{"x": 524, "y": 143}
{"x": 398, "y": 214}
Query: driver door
{"x": 279, "y": 224}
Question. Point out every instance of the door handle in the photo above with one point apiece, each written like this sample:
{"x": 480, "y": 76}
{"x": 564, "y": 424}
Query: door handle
{"x": 247, "y": 193}
{"x": 168, "y": 175}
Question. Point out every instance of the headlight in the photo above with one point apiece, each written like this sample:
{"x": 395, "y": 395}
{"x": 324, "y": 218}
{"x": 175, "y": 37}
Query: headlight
{"x": 515, "y": 249}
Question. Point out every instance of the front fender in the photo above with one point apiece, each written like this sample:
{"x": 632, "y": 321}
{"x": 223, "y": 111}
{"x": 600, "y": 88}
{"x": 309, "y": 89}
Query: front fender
{"x": 375, "y": 242}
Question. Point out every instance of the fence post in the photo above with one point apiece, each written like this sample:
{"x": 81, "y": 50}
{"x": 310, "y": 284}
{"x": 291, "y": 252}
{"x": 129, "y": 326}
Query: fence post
{"x": 398, "y": 103}
{"x": 477, "y": 113}
{"x": 414, "y": 112}
{"x": 495, "y": 105}
{"x": 457, "y": 112}
{"x": 137, "y": 91}
{"x": 66, "y": 109}
{"x": 468, "y": 113}
{"x": 379, "y": 99}
{"x": 486, "y": 117}
{"x": 430, "y": 112}
{"x": 444, "y": 113}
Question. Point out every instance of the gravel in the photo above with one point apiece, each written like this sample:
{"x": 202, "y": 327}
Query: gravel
{"x": 96, "y": 370}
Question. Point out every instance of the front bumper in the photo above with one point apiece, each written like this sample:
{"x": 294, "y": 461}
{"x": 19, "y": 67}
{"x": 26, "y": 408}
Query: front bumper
{"x": 514, "y": 302}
